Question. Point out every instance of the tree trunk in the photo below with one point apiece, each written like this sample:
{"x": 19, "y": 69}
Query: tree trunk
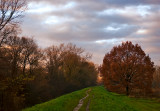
{"x": 127, "y": 90}
{"x": 1, "y": 106}
{"x": 14, "y": 68}
{"x": 24, "y": 67}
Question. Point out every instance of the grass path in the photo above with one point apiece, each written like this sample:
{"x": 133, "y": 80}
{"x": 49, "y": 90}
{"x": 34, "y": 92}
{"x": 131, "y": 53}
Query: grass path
{"x": 81, "y": 101}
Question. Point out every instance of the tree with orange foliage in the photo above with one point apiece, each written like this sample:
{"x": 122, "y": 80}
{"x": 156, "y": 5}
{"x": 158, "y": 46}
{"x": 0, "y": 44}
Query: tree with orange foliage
{"x": 127, "y": 69}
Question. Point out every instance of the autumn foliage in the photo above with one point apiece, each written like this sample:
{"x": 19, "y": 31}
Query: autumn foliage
{"x": 30, "y": 75}
{"x": 127, "y": 69}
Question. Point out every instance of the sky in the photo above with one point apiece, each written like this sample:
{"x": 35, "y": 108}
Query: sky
{"x": 95, "y": 25}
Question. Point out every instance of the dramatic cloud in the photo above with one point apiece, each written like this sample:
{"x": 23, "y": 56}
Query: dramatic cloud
{"x": 95, "y": 25}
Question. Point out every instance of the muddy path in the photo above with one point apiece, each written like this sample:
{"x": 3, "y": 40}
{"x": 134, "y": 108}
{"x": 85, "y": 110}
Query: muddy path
{"x": 81, "y": 101}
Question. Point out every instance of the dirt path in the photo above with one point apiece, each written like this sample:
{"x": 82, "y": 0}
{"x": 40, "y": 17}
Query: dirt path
{"x": 87, "y": 108}
{"x": 81, "y": 101}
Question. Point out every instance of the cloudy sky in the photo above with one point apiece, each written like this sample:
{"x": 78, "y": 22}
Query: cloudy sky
{"x": 95, "y": 25}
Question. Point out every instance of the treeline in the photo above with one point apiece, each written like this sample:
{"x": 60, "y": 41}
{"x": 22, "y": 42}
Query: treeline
{"x": 30, "y": 75}
{"x": 156, "y": 82}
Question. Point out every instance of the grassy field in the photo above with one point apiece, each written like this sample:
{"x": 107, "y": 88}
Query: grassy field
{"x": 107, "y": 101}
{"x": 100, "y": 100}
{"x": 64, "y": 103}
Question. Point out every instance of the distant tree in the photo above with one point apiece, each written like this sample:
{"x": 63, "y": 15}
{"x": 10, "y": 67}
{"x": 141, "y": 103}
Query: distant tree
{"x": 68, "y": 69}
{"x": 88, "y": 74}
{"x": 156, "y": 82}
{"x": 126, "y": 68}
{"x": 156, "y": 78}
{"x": 30, "y": 54}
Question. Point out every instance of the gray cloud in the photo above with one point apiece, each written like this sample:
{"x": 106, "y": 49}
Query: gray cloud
{"x": 117, "y": 2}
{"x": 88, "y": 21}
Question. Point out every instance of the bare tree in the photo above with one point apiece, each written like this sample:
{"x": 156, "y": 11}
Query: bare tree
{"x": 8, "y": 32}
{"x": 10, "y": 12}
{"x": 30, "y": 54}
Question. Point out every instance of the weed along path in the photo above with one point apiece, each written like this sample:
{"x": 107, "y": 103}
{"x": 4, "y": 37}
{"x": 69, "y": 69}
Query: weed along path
{"x": 81, "y": 102}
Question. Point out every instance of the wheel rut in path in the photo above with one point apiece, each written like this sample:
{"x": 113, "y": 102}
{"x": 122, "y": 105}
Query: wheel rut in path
{"x": 81, "y": 101}
{"x": 87, "y": 108}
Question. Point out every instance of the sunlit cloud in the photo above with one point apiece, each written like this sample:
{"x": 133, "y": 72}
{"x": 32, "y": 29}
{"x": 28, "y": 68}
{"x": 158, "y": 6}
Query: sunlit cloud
{"x": 110, "y": 41}
{"x": 109, "y": 28}
{"x": 57, "y": 20}
{"x": 141, "y": 31}
{"x": 40, "y": 8}
{"x": 43, "y": 7}
{"x": 143, "y": 10}
{"x": 70, "y": 5}
{"x": 111, "y": 11}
